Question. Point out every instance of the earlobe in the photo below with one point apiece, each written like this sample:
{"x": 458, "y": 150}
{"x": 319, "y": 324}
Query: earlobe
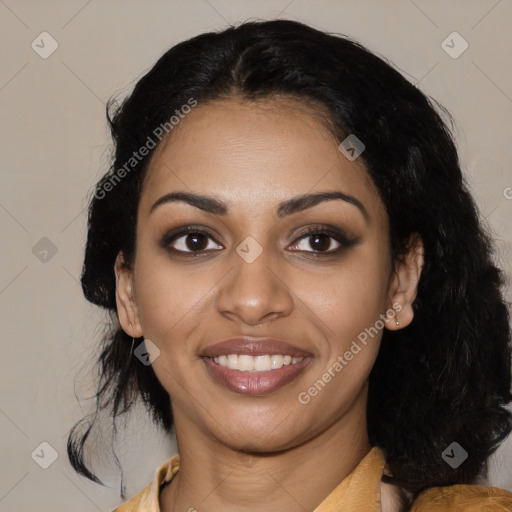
{"x": 127, "y": 311}
{"x": 404, "y": 287}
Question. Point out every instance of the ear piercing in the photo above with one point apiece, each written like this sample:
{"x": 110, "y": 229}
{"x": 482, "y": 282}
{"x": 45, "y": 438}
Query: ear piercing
{"x": 133, "y": 341}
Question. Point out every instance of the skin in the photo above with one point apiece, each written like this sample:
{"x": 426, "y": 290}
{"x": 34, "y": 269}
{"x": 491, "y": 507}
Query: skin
{"x": 253, "y": 155}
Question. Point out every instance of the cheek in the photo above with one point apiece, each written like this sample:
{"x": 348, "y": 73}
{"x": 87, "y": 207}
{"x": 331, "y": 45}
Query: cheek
{"x": 352, "y": 296}
{"x": 350, "y": 309}
{"x": 172, "y": 303}
{"x": 349, "y": 348}
{"x": 169, "y": 296}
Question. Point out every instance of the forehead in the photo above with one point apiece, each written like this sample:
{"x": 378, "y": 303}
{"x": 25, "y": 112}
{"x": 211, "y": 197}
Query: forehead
{"x": 254, "y": 155}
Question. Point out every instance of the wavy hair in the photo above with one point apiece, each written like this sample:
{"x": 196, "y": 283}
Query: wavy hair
{"x": 446, "y": 376}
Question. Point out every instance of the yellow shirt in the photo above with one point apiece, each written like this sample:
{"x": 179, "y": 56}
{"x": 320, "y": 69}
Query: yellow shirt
{"x": 358, "y": 492}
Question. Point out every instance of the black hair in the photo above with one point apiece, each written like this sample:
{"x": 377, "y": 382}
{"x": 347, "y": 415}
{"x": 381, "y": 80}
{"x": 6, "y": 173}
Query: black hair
{"x": 446, "y": 376}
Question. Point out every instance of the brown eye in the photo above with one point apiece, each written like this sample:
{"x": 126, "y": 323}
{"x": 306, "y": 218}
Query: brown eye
{"x": 195, "y": 242}
{"x": 321, "y": 241}
{"x": 188, "y": 241}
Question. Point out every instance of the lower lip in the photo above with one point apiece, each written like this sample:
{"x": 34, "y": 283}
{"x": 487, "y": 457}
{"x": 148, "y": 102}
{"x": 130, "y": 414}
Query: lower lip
{"x": 255, "y": 383}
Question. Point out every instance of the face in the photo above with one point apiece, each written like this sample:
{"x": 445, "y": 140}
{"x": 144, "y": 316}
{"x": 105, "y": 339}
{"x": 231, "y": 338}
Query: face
{"x": 315, "y": 276}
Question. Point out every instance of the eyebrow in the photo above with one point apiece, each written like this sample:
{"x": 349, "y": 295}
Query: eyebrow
{"x": 295, "y": 204}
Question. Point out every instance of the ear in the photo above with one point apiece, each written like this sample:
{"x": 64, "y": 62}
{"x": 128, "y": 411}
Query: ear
{"x": 404, "y": 285}
{"x": 127, "y": 310}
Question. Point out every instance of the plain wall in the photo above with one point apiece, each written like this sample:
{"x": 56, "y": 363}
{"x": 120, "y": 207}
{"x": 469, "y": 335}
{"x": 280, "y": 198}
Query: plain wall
{"x": 55, "y": 145}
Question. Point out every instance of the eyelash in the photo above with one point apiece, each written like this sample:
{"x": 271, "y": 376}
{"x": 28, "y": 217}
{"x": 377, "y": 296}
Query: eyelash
{"x": 333, "y": 233}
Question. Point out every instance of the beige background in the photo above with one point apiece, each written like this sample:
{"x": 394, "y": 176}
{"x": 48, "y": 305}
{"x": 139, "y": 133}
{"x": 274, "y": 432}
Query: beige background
{"x": 55, "y": 145}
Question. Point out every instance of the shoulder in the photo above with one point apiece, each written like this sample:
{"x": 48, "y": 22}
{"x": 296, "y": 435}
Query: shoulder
{"x": 147, "y": 500}
{"x": 136, "y": 503}
{"x": 463, "y": 498}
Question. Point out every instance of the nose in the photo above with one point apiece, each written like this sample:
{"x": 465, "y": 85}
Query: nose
{"x": 255, "y": 292}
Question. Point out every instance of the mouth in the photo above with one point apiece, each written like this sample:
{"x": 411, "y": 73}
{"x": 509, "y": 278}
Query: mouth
{"x": 262, "y": 363}
{"x": 254, "y": 366}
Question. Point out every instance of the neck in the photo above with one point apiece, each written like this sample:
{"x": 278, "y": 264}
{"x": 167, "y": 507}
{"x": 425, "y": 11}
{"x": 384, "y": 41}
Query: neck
{"x": 213, "y": 476}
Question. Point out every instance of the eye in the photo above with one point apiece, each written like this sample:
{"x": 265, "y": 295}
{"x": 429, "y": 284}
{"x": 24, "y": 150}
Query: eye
{"x": 195, "y": 241}
{"x": 321, "y": 240}
{"x": 188, "y": 240}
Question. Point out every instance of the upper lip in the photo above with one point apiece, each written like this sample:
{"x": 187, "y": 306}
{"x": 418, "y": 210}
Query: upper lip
{"x": 245, "y": 345}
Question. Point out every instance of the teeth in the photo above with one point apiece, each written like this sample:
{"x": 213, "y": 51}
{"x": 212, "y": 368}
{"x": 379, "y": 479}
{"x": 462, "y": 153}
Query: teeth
{"x": 233, "y": 362}
{"x": 263, "y": 363}
{"x": 245, "y": 363}
{"x": 277, "y": 362}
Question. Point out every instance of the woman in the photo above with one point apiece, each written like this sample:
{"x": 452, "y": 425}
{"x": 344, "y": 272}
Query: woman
{"x": 294, "y": 264}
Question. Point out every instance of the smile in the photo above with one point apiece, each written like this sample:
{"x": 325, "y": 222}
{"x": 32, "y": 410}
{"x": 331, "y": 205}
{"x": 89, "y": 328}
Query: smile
{"x": 255, "y": 375}
{"x": 261, "y": 363}
{"x": 254, "y": 366}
